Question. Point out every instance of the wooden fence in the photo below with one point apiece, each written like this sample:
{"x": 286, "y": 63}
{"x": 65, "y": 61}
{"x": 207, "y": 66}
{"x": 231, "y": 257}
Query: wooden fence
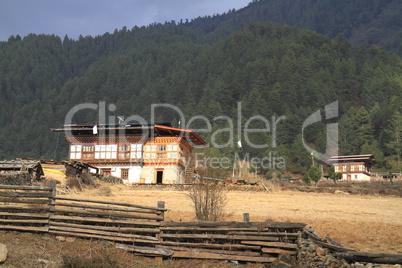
{"x": 142, "y": 229}
{"x": 240, "y": 241}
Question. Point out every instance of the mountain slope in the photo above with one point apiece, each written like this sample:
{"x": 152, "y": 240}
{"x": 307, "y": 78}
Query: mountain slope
{"x": 360, "y": 21}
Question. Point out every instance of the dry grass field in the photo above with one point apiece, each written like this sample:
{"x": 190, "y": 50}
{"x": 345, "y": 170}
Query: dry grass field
{"x": 364, "y": 223}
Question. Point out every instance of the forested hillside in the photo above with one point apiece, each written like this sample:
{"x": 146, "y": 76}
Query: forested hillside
{"x": 364, "y": 22}
{"x": 272, "y": 70}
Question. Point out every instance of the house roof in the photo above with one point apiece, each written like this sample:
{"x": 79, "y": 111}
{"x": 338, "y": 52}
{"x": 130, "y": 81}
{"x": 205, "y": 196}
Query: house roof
{"x": 353, "y": 158}
{"x": 144, "y": 130}
{"x": 21, "y": 164}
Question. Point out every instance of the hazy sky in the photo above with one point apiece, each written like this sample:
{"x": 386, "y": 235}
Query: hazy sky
{"x": 95, "y": 17}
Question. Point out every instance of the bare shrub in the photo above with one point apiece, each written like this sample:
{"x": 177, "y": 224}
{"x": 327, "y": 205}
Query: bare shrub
{"x": 209, "y": 200}
{"x": 111, "y": 179}
{"x": 104, "y": 191}
{"x": 74, "y": 183}
{"x": 88, "y": 179}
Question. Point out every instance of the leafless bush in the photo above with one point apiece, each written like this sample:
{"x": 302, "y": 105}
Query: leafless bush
{"x": 104, "y": 191}
{"x": 209, "y": 200}
{"x": 87, "y": 179}
{"x": 74, "y": 183}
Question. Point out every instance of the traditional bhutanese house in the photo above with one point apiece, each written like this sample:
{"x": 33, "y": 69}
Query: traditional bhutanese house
{"x": 136, "y": 153}
{"x": 353, "y": 167}
{"x": 33, "y": 167}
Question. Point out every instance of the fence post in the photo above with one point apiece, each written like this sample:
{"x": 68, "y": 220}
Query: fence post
{"x": 160, "y": 204}
{"x": 246, "y": 217}
{"x": 52, "y": 201}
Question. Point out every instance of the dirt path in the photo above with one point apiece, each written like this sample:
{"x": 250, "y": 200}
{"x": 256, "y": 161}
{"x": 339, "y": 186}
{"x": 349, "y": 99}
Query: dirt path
{"x": 365, "y": 223}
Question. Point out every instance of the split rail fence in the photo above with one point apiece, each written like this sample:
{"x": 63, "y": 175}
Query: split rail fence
{"x": 142, "y": 229}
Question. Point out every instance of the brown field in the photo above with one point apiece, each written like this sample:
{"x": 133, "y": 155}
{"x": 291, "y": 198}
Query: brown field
{"x": 364, "y": 223}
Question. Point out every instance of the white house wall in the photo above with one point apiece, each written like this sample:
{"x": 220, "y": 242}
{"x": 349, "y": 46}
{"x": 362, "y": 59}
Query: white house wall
{"x": 134, "y": 172}
{"x": 356, "y": 177}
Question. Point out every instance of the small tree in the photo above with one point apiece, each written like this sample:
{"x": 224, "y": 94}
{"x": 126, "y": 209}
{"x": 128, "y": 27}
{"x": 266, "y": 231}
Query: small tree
{"x": 314, "y": 173}
{"x": 306, "y": 179}
{"x": 209, "y": 201}
{"x": 335, "y": 176}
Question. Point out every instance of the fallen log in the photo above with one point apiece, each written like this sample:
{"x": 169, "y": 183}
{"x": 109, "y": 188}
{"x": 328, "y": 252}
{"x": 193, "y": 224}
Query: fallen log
{"x": 381, "y": 258}
{"x": 333, "y": 247}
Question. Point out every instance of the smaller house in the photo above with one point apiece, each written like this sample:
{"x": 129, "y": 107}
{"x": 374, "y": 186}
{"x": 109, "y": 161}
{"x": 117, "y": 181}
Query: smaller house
{"x": 75, "y": 168}
{"x": 32, "y": 167}
{"x": 353, "y": 167}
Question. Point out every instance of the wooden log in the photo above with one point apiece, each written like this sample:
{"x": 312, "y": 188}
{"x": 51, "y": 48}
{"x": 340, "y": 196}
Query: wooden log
{"x": 98, "y": 232}
{"x": 229, "y": 252}
{"x": 265, "y": 187}
{"x": 107, "y": 228}
{"x": 250, "y": 230}
{"x": 4, "y": 207}
{"x": 103, "y": 237}
{"x": 284, "y": 225}
{"x": 29, "y": 215}
{"x": 313, "y": 236}
{"x": 103, "y": 220}
{"x": 218, "y": 236}
{"x": 149, "y": 251}
{"x": 207, "y": 245}
{"x": 332, "y": 247}
{"x": 149, "y": 211}
{"x": 24, "y": 228}
{"x": 103, "y": 213}
{"x": 110, "y": 203}
{"x": 381, "y": 258}
{"x": 333, "y": 242}
{"x": 263, "y": 225}
{"x": 25, "y": 194}
{"x": 270, "y": 244}
{"x": 23, "y": 187}
{"x": 208, "y": 224}
{"x": 277, "y": 251}
{"x": 220, "y": 256}
{"x": 27, "y": 201}
{"x": 264, "y": 234}
{"x": 24, "y": 221}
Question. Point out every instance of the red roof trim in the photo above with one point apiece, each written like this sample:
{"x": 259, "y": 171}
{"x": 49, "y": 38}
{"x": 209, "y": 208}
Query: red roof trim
{"x": 202, "y": 142}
